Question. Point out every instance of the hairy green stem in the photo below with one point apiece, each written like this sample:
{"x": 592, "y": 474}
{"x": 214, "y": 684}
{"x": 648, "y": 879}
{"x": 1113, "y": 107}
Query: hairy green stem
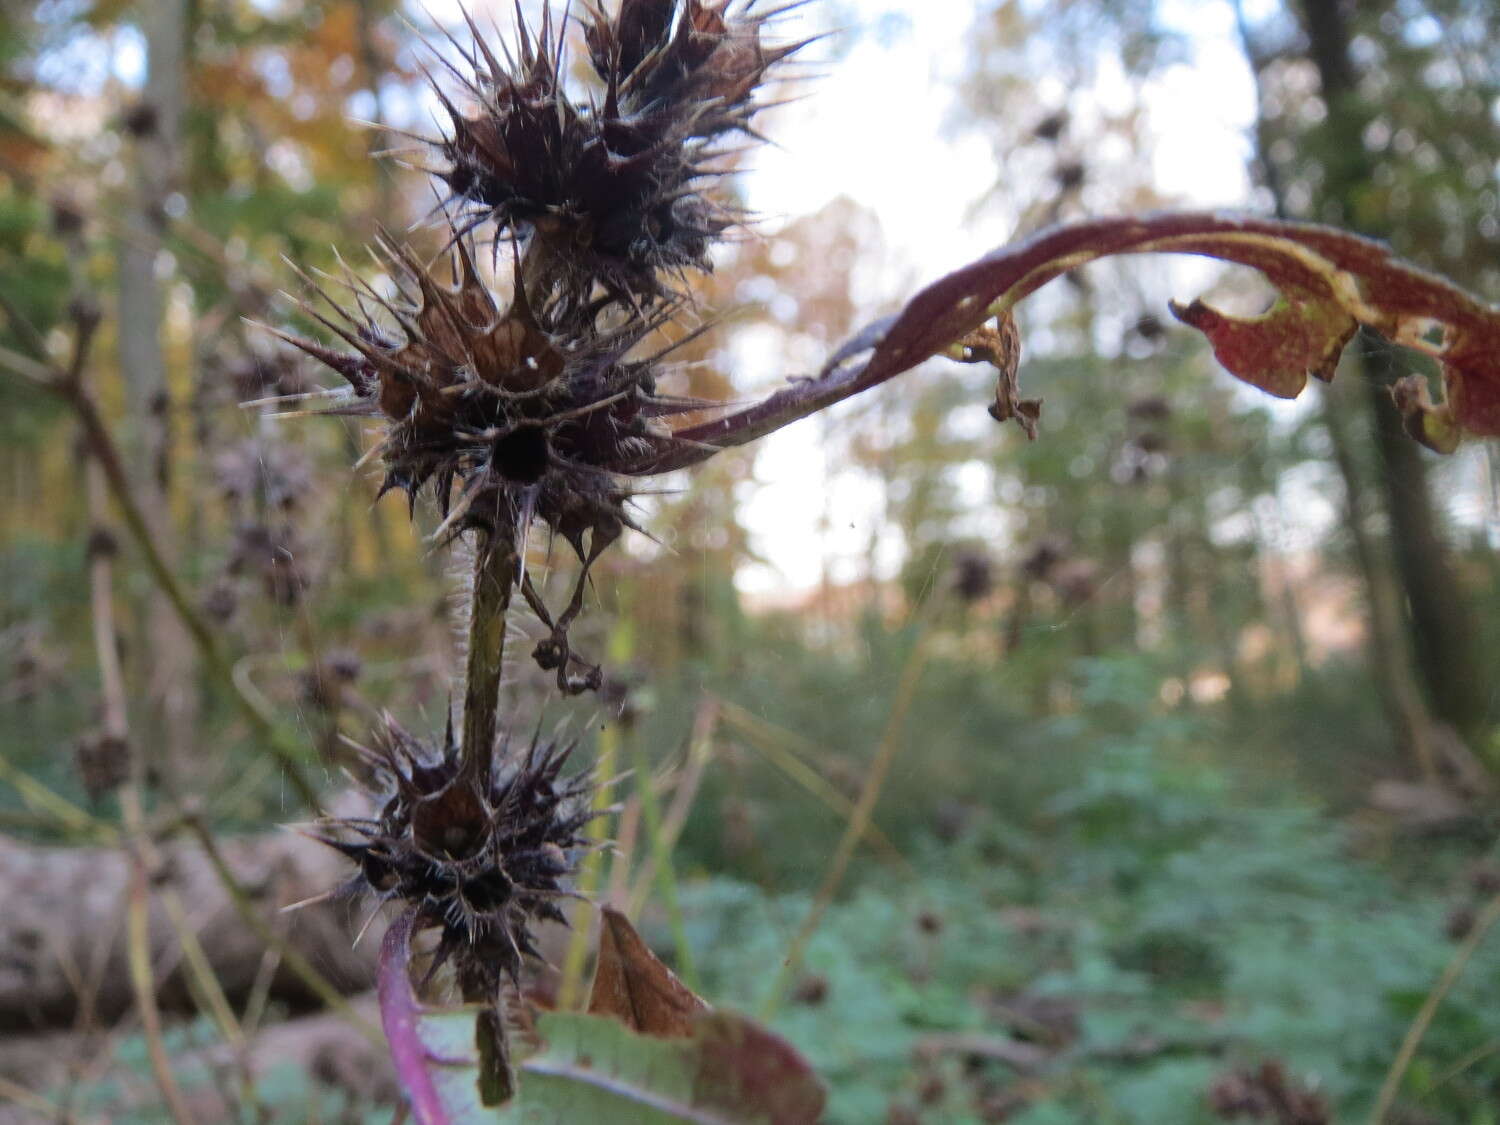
{"x": 497, "y": 1075}
{"x": 494, "y": 579}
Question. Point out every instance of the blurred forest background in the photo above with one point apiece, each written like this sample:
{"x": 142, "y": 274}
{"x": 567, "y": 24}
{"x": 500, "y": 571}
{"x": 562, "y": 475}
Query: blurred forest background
{"x": 1195, "y": 694}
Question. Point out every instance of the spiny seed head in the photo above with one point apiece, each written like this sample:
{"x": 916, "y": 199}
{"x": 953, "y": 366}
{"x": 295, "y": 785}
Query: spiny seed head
{"x": 510, "y": 410}
{"x": 529, "y": 417}
{"x": 103, "y": 762}
{"x": 526, "y": 408}
{"x": 482, "y": 858}
{"x": 614, "y": 185}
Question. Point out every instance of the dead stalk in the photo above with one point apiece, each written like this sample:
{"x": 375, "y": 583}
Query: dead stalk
{"x": 117, "y": 731}
{"x": 1418, "y": 1029}
{"x": 890, "y": 743}
{"x": 68, "y": 386}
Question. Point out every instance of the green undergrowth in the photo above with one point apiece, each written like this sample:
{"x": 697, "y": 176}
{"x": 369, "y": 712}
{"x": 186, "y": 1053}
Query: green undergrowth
{"x": 1142, "y": 924}
{"x": 1151, "y": 941}
{"x": 1126, "y": 900}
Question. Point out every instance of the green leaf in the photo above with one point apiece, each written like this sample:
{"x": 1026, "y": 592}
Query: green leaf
{"x": 727, "y": 1071}
{"x": 730, "y": 1072}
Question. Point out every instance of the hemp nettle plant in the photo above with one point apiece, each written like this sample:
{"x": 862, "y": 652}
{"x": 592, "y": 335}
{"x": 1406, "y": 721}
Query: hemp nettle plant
{"x": 517, "y": 389}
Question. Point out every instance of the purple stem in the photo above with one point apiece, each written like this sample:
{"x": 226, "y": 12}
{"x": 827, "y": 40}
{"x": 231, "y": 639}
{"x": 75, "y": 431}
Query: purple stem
{"x": 399, "y": 1015}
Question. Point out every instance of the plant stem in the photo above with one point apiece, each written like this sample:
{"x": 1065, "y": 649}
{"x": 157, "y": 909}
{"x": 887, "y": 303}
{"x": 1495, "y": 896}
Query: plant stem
{"x": 495, "y": 564}
{"x": 57, "y": 810}
{"x": 138, "y": 848}
{"x": 906, "y": 690}
{"x": 570, "y": 988}
{"x": 142, "y": 976}
{"x": 661, "y": 854}
{"x": 67, "y": 385}
{"x": 324, "y": 989}
{"x": 789, "y": 752}
{"x": 282, "y": 746}
{"x": 494, "y": 578}
{"x": 1454, "y": 969}
{"x": 700, "y": 750}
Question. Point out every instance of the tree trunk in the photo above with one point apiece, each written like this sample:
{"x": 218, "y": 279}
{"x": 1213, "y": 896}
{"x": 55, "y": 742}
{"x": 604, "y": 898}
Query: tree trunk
{"x": 1390, "y": 653}
{"x": 1442, "y": 632}
{"x": 1442, "y": 637}
{"x": 155, "y": 125}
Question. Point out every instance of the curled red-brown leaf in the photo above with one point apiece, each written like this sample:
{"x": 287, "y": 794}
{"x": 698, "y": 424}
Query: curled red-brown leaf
{"x": 1329, "y": 283}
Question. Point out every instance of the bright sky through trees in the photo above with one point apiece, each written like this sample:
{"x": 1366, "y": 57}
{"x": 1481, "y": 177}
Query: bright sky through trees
{"x": 878, "y": 127}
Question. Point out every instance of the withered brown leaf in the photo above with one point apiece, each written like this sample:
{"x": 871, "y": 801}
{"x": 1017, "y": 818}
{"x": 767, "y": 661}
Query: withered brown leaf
{"x": 631, "y": 984}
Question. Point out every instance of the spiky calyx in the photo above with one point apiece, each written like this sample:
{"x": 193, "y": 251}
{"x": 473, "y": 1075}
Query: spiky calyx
{"x": 528, "y": 410}
{"x": 509, "y": 415}
{"x": 616, "y": 187}
{"x": 481, "y": 858}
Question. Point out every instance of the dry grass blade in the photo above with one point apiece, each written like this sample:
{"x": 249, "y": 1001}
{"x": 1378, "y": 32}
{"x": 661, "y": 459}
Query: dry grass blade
{"x": 780, "y": 748}
{"x": 700, "y": 751}
{"x": 56, "y": 808}
{"x": 570, "y": 989}
{"x": 205, "y": 981}
{"x": 890, "y": 743}
{"x": 661, "y": 855}
{"x": 1418, "y": 1029}
{"x": 30, "y": 1099}
{"x": 295, "y": 961}
{"x": 143, "y": 983}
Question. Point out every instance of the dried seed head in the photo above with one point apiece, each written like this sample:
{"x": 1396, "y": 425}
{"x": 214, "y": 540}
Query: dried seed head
{"x": 509, "y": 415}
{"x": 67, "y": 216}
{"x": 973, "y": 577}
{"x": 141, "y": 120}
{"x": 103, "y": 762}
{"x": 1051, "y": 127}
{"x": 526, "y": 416}
{"x": 272, "y": 554}
{"x": 1484, "y": 877}
{"x": 527, "y": 409}
{"x": 257, "y": 470}
{"x": 1044, "y": 557}
{"x": 483, "y": 858}
{"x": 323, "y": 684}
{"x": 102, "y": 544}
{"x": 1070, "y": 175}
{"x": 615, "y": 186}
{"x": 1460, "y": 922}
{"x": 256, "y": 376}
{"x": 220, "y": 602}
{"x": 1150, "y": 408}
{"x": 1266, "y": 1093}
{"x": 811, "y": 991}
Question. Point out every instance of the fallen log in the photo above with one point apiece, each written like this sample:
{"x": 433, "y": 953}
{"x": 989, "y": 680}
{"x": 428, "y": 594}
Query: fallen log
{"x": 62, "y": 927}
{"x": 327, "y": 1048}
